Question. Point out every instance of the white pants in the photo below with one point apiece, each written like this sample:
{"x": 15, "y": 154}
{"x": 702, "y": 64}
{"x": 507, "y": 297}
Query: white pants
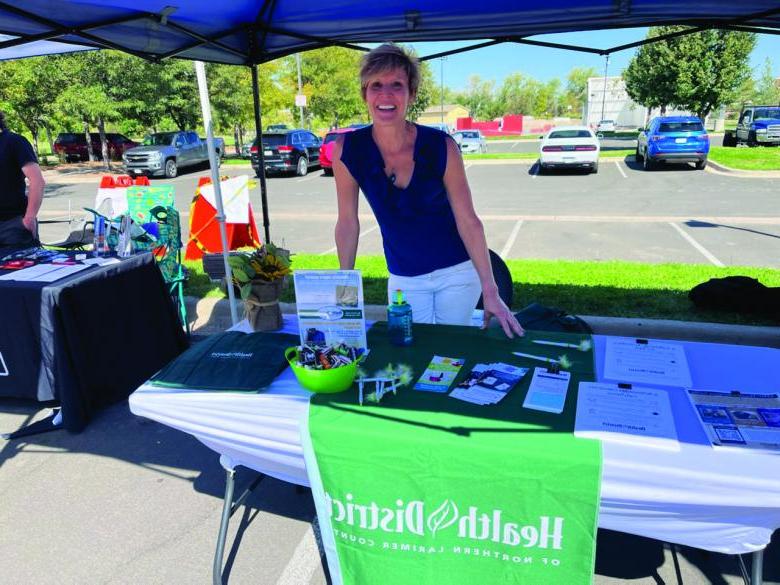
{"x": 447, "y": 296}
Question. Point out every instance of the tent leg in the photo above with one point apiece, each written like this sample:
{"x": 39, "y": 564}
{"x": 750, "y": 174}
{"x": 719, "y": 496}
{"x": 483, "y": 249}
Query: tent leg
{"x": 228, "y": 509}
{"x": 260, "y": 157}
{"x": 53, "y": 422}
{"x": 757, "y": 574}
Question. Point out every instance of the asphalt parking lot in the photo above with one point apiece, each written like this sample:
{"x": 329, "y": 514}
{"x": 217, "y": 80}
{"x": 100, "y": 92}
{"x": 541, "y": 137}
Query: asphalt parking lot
{"x": 673, "y": 214}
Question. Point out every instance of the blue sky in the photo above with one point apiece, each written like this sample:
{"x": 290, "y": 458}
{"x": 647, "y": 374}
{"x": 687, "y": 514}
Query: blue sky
{"x": 542, "y": 63}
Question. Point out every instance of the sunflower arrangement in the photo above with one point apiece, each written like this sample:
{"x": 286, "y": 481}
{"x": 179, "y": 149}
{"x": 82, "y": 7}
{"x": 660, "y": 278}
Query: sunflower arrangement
{"x": 269, "y": 263}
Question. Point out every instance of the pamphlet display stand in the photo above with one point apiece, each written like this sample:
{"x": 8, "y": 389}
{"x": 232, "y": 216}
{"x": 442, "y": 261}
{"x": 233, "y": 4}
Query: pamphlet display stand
{"x": 240, "y": 224}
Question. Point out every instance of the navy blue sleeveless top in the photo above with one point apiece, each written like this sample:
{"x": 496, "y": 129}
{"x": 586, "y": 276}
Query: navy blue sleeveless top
{"x": 419, "y": 234}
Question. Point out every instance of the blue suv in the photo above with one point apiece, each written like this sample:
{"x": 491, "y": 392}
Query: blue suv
{"x": 673, "y": 139}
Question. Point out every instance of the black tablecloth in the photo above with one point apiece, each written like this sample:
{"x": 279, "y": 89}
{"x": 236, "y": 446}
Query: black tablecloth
{"x": 87, "y": 340}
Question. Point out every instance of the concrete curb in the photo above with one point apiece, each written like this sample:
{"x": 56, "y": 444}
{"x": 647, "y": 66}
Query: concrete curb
{"x": 742, "y": 173}
{"x": 212, "y": 315}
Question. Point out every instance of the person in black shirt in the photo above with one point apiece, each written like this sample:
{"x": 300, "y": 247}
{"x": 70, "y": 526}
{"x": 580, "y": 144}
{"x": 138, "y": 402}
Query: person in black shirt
{"x": 18, "y": 211}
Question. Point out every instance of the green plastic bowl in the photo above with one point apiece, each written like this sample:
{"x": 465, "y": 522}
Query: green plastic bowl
{"x": 322, "y": 381}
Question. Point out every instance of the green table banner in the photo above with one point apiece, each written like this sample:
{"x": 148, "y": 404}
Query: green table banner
{"x": 424, "y": 488}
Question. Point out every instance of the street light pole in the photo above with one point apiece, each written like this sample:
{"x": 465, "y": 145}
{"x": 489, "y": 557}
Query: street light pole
{"x": 300, "y": 84}
{"x": 604, "y": 95}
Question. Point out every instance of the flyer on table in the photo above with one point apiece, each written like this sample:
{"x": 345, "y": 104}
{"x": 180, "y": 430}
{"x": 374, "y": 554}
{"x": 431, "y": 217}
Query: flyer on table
{"x": 330, "y": 307}
{"x": 738, "y": 419}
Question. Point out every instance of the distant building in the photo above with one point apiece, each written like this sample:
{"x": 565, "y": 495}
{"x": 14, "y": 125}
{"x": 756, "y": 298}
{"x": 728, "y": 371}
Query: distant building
{"x": 616, "y": 105}
{"x": 449, "y": 112}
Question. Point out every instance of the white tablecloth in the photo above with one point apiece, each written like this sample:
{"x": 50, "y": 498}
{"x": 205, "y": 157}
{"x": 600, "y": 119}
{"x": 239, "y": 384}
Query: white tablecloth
{"x": 724, "y": 500}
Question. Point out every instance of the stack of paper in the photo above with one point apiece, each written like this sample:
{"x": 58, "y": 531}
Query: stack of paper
{"x": 488, "y": 383}
{"x": 625, "y": 413}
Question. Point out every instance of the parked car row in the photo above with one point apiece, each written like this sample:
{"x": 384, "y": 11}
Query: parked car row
{"x": 667, "y": 139}
{"x": 72, "y": 146}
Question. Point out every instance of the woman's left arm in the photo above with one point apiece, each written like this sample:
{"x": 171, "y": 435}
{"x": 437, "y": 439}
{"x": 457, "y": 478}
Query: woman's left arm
{"x": 473, "y": 235}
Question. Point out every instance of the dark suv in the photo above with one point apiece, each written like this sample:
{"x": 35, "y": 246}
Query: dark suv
{"x": 287, "y": 151}
{"x": 72, "y": 146}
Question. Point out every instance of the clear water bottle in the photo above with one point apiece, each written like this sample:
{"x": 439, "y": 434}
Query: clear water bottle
{"x": 99, "y": 241}
{"x": 399, "y": 320}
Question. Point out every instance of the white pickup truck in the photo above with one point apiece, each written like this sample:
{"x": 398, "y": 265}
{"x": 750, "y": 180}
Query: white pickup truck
{"x": 162, "y": 154}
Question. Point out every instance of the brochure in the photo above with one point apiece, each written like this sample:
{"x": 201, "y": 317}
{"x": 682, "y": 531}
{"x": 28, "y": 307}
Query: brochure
{"x": 646, "y": 361}
{"x": 738, "y": 419}
{"x": 330, "y": 307}
{"x": 439, "y": 374}
{"x": 547, "y": 391}
{"x": 626, "y": 414}
{"x": 488, "y": 383}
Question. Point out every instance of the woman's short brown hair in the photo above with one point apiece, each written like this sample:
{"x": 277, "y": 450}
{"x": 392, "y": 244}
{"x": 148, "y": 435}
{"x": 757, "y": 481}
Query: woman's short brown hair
{"x": 386, "y": 57}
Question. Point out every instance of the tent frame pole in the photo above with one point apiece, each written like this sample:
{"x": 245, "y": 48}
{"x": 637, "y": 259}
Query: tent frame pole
{"x": 260, "y": 157}
{"x": 205, "y": 104}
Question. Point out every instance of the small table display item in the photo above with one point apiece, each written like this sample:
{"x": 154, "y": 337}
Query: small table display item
{"x": 646, "y": 361}
{"x": 488, "y": 383}
{"x": 330, "y": 307}
{"x": 386, "y": 380}
{"x": 738, "y": 419}
{"x": 325, "y": 369}
{"x": 259, "y": 273}
{"x": 439, "y": 375}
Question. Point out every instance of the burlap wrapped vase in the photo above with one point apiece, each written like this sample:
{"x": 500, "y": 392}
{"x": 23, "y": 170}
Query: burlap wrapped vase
{"x": 262, "y": 308}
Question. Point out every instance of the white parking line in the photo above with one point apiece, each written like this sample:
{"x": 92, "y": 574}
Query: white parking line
{"x": 465, "y": 168}
{"x": 305, "y": 560}
{"x": 511, "y": 241}
{"x": 706, "y": 253}
{"x": 617, "y": 164}
{"x": 333, "y": 249}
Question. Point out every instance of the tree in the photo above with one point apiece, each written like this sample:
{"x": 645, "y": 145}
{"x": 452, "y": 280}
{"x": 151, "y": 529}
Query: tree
{"x": 28, "y": 88}
{"x": 425, "y": 92}
{"x": 650, "y": 77}
{"x": 576, "y": 94}
{"x": 518, "y": 94}
{"x": 696, "y": 72}
{"x": 97, "y": 92}
{"x": 717, "y": 65}
{"x": 331, "y": 85}
{"x": 478, "y": 98}
{"x": 766, "y": 90}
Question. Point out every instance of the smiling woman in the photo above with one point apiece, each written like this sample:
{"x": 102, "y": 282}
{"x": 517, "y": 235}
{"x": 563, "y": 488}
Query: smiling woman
{"x": 413, "y": 178}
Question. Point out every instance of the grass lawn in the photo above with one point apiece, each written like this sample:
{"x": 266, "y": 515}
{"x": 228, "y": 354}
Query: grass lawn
{"x": 611, "y": 289}
{"x": 760, "y": 158}
{"x": 235, "y": 161}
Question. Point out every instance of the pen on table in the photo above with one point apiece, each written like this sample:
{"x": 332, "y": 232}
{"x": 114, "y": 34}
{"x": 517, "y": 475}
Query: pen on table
{"x": 535, "y": 357}
{"x": 584, "y": 345}
{"x": 562, "y": 361}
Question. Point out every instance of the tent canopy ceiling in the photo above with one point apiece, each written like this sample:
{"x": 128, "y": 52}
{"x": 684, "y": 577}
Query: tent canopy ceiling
{"x": 253, "y": 31}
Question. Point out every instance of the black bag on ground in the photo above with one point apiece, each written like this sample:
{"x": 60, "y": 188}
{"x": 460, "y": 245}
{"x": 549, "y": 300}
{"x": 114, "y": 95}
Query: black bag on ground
{"x": 741, "y": 294}
{"x": 540, "y": 318}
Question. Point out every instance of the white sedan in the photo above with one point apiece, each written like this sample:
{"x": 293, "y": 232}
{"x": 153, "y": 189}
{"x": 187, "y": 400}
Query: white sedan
{"x": 569, "y": 147}
{"x": 470, "y": 141}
